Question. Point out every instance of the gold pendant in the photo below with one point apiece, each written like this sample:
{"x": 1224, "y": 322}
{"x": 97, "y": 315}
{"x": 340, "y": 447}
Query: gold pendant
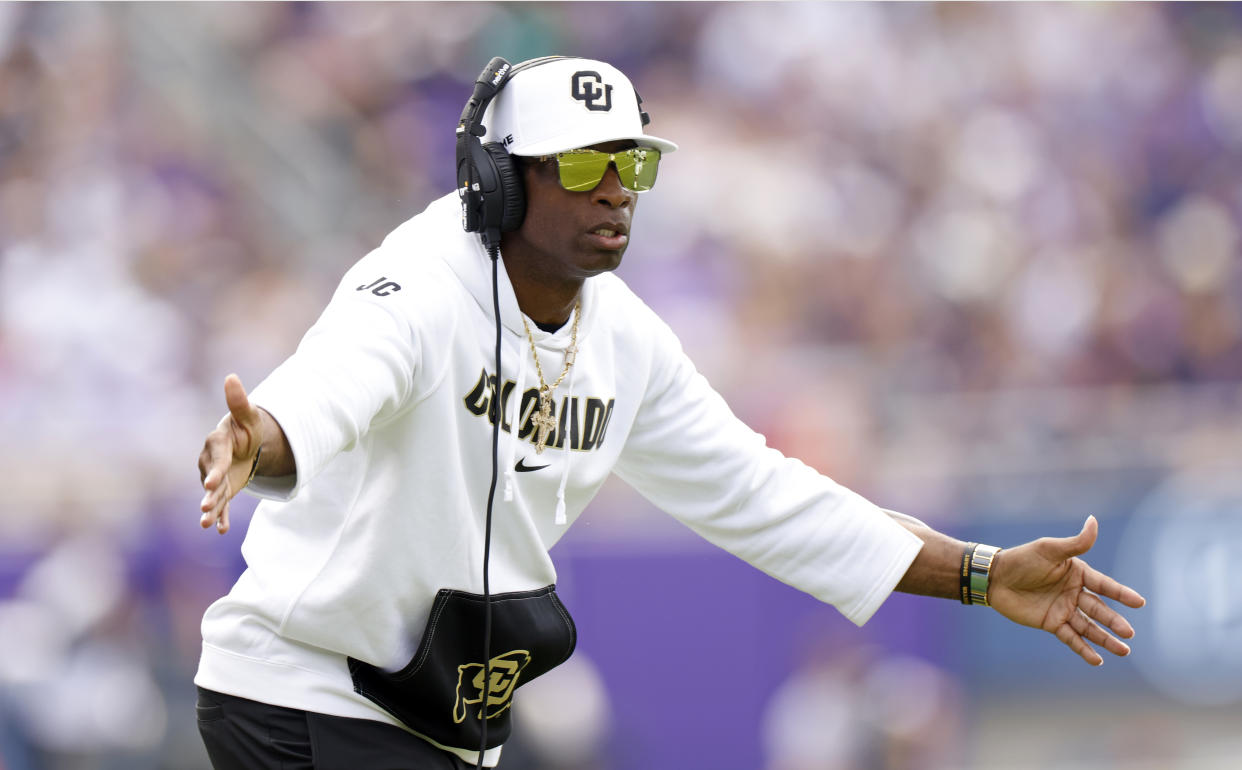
{"x": 544, "y": 421}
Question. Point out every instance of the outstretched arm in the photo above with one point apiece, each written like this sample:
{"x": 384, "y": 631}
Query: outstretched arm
{"x": 247, "y": 433}
{"x": 1041, "y": 584}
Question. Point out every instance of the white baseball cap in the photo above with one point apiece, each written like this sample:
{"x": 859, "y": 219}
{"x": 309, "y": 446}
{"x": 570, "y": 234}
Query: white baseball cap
{"x": 554, "y": 104}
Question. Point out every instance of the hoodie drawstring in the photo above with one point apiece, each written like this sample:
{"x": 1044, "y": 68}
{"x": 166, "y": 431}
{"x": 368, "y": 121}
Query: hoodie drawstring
{"x": 561, "y": 519}
{"x": 515, "y": 429}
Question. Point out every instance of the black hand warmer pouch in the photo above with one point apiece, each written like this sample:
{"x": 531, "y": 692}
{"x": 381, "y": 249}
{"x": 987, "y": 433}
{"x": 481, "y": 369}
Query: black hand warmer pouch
{"x": 440, "y": 692}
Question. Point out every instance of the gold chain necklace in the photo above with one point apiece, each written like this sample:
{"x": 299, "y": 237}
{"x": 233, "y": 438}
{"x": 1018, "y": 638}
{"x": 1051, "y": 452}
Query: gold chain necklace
{"x": 543, "y": 420}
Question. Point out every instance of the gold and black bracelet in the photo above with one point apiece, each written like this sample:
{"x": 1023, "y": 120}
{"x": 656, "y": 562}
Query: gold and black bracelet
{"x": 975, "y": 573}
{"x": 254, "y": 467}
{"x": 964, "y": 573}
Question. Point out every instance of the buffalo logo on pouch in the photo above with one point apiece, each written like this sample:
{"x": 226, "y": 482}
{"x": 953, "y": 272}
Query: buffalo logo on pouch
{"x": 506, "y": 668}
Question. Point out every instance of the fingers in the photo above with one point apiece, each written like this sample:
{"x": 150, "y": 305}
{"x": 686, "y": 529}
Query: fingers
{"x": 220, "y": 518}
{"x": 1102, "y": 613}
{"x": 217, "y": 455}
{"x": 214, "y": 460}
{"x": 213, "y": 467}
{"x": 1067, "y": 634}
{"x": 214, "y": 493}
{"x": 1083, "y": 626}
{"x": 215, "y": 507}
{"x": 204, "y": 464}
{"x": 1106, "y": 586}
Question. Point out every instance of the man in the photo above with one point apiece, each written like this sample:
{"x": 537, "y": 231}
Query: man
{"x": 356, "y": 636}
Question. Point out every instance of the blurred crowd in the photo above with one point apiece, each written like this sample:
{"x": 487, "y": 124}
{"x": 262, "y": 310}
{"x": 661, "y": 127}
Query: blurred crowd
{"x": 921, "y": 246}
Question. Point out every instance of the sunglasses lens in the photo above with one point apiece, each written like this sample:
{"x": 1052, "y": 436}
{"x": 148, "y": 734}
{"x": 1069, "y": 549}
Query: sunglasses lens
{"x": 637, "y": 168}
{"x": 582, "y": 170}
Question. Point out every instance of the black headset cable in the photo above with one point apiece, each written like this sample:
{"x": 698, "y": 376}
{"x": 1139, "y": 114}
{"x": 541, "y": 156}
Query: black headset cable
{"x": 497, "y": 412}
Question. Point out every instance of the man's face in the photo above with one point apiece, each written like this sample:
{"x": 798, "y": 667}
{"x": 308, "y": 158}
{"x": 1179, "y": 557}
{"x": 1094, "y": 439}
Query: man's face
{"x": 574, "y": 235}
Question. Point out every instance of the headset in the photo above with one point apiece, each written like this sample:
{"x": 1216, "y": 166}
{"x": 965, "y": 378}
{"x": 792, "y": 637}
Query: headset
{"x": 493, "y": 200}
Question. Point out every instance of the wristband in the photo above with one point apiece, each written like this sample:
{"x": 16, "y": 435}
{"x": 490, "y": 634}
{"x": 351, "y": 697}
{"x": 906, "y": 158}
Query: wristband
{"x": 963, "y": 573}
{"x": 979, "y": 571}
{"x": 254, "y": 467}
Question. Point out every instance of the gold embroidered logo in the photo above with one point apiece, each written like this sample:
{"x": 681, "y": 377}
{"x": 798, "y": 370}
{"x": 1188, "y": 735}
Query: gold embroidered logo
{"x": 506, "y": 669}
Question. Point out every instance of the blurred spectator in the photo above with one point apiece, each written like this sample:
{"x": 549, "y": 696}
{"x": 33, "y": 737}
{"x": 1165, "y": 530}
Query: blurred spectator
{"x": 851, "y": 707}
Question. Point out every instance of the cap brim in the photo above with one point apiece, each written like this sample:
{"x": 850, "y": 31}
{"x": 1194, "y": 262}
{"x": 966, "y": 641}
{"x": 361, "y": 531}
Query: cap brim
{"x": 561, "y": 144}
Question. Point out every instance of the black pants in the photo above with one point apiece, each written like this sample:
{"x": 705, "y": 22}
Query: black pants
{"x": 242, "y": 734}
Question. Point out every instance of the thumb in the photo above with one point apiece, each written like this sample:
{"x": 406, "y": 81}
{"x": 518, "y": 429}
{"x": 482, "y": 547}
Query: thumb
{"x": 1062, "y": 548}
{"x": 238, "y": 403}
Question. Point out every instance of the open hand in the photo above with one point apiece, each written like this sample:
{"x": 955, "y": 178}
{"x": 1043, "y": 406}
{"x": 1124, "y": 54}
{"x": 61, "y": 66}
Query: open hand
{"x": 1043, "y": 584}
{"x": 228, "y": 455}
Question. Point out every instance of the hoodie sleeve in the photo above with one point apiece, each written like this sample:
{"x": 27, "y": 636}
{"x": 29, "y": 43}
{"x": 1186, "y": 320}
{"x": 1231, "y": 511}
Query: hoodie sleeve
{"x": 355, "y": 367}
{"x": 689, "y": 455}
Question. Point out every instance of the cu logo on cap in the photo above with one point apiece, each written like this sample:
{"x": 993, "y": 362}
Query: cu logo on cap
{"x": 589, "y": 88}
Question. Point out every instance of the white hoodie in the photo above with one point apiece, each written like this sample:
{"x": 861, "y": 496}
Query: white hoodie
{"x": 389, "y": 428}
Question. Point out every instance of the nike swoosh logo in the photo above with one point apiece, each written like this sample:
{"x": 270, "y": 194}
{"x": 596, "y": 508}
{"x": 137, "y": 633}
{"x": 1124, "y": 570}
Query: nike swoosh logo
{"x": 522, "y": 467}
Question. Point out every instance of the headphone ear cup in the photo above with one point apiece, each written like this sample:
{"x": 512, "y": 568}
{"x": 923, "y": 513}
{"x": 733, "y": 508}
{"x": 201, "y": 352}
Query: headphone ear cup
{"x": 512, "y": 189}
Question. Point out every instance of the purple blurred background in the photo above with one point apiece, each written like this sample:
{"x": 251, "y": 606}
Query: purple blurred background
{"x": 979, "y": 262}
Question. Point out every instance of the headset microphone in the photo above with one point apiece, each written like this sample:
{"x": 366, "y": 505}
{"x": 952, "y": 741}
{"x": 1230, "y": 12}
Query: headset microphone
{"x": 485, "y": 87}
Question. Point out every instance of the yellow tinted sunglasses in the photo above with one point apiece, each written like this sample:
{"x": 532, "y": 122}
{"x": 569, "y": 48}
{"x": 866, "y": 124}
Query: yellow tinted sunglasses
{"x": 582, "y": 170}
